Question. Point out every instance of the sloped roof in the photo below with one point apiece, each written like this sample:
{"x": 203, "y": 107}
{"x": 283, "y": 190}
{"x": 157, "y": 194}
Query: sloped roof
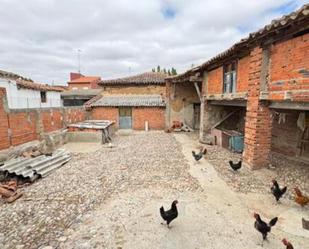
{"x": 37, "y": 86}
{"x": 144, "y": 78}
{"x": 267, "y": 31}
{"x": 23, "y": 82}
{"x": 85, "y": 79}
{"x": 82, "y": 92}
{"x": 129, "y": 100}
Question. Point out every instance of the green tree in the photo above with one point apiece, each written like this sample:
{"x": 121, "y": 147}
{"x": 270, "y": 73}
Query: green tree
{"x": 153, "y": 70}
{"x": 169, "y": 72}
{"x": 158, "y": 69}
{"x": 164, "y": 70}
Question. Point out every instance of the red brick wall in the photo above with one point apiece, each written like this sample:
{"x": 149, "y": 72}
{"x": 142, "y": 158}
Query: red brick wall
{"x": 258, "y": 118}
{"x": 74, "y": 115}
{"x": 243, "y": 74}
{"x": 215, "y": 81}
{"x": 4, "y": 139}
{"x": 154, "y": 116}
{"x": 108, "y": 113}
{"x": 289, "y": 65}
{"x": 23, "y": 126}
{"x": 52, "y": 120}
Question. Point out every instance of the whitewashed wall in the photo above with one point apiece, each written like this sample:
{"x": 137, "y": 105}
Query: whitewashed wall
{"x": 28, "y": 98}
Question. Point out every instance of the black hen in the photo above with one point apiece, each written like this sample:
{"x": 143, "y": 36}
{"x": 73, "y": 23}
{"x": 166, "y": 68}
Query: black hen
{"x": 235, "y": 166}
{"x": 262, "y": 226}
{"x": 199, "y": 156}
{"x": 277, "y": 191}
{"x": 171, "y": 214}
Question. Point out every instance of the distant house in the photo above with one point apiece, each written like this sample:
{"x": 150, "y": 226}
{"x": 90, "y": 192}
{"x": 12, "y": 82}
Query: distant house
{"x": 23, "y": 93}
{"x": 78, "y": 97}
{"x": 132, "y": 102}
{"x": 81, "y": 82}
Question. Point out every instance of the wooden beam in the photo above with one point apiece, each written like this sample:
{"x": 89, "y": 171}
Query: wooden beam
{"x": 290, "y": 106}
{"x": 240, "y": 103}
{"x": 198, "y": 91}
{"x": 225, "y": 118}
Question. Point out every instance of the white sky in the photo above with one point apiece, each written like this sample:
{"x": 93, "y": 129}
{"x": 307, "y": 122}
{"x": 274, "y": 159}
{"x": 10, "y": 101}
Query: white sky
{"x": 39, "y": 38}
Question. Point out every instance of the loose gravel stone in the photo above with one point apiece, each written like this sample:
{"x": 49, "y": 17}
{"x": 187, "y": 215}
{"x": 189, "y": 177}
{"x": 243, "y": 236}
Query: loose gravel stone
{"x": 287, "y": 172}
{"x": 52, "y": 205}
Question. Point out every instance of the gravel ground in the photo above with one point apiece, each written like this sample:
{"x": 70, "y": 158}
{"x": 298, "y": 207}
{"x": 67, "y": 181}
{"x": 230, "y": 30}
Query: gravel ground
{"x": 286, "y": 172}
{"x": 52, "y": 205}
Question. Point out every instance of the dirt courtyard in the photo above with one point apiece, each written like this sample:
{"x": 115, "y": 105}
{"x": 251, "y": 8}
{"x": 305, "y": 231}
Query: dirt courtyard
{"x": 110, "y": 198}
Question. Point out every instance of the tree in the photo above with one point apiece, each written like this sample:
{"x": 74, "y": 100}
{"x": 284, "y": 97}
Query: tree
{"x": 169, "y": 71}
{"x": 173, "y": 72}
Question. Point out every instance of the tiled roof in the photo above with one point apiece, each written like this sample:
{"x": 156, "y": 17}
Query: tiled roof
{"x": 23, "y": 82}
{"x": 37, "y": 86}
{"x": 82, "y": 92}
{"x": 12, "y": 76}
{"x": 85, "y": 79}
{"x": 129, "y": 100}
{"x": 144, "y": 78}
{"x": 267, "y": 31}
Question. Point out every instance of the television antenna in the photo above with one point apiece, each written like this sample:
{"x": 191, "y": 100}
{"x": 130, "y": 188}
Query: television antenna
{"x": 78, "y": 58}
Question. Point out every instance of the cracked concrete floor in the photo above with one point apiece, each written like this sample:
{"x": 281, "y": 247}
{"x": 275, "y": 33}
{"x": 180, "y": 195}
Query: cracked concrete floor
{"x": 211, "y": 217}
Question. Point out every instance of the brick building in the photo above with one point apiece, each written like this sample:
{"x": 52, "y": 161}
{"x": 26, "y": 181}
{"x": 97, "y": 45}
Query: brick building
{"x": 23, "y": 93}
{"x": 30, "y": 111}
{"x": 81, "y": 82}
{"x": 258, "y": 88}
{"x": 132, "y": 101}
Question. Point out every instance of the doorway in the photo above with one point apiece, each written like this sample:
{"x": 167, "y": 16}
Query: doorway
{"x": 125, "y": 118}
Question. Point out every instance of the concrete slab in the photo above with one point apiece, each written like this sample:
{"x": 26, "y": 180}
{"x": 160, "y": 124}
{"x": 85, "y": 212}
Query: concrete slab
{"x": 82, "y": 147}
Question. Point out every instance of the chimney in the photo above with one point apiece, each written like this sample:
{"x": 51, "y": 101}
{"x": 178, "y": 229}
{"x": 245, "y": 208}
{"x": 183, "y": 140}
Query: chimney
{"x": 74, "y": 76}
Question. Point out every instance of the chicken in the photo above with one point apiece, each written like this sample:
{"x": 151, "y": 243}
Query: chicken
{"x": 287, "y": 244}
{"x": 300, "y": 198}
{"x": 262, "y": 226}
{"x": 235, "y": 166}
{"x": 199, "y": 156}
{"x": 171, "y": 214}
{"x": 277, "y": 191}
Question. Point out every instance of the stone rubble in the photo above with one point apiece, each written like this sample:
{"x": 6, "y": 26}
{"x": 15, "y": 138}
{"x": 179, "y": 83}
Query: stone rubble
{"x": 54, "y": 204}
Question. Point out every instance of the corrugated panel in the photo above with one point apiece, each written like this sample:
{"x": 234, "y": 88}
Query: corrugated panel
{"x": 130, "y": 100}
{"x": 41, "y": 165}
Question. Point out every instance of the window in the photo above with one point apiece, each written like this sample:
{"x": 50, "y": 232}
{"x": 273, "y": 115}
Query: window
{"x": 85, "y": 88}
{"x": 229, "y": 78}
{"x": 43, "y": 97}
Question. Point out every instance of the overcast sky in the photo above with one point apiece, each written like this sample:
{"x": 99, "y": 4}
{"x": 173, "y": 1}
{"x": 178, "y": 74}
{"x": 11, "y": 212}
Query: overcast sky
{"x": 40, "y": 38}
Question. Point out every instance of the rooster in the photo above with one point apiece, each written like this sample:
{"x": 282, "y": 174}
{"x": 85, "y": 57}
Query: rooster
{"x": 287, "y": 244}
{"x": 198, "y": 156}
{"x": 171, "y": 214}
{"x": 277, "y": 191}
{"x": 300, "y": 198}
{"x": 235, "y": 166}
{"x": 262, "y": 226}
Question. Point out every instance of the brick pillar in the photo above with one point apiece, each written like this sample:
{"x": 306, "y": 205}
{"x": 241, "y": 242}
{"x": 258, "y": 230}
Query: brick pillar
{"x": 258, "y": 117}
{"x": 167, "y": 107}
{"x": 5, "y": 141}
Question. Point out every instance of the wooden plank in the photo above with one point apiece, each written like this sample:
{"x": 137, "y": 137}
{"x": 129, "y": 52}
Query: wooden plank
{"x": 229, "y": 102}
{"x": 225, "y": 118}
{"x": 198, "y": 91}
{"x": 290, "y": 106}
